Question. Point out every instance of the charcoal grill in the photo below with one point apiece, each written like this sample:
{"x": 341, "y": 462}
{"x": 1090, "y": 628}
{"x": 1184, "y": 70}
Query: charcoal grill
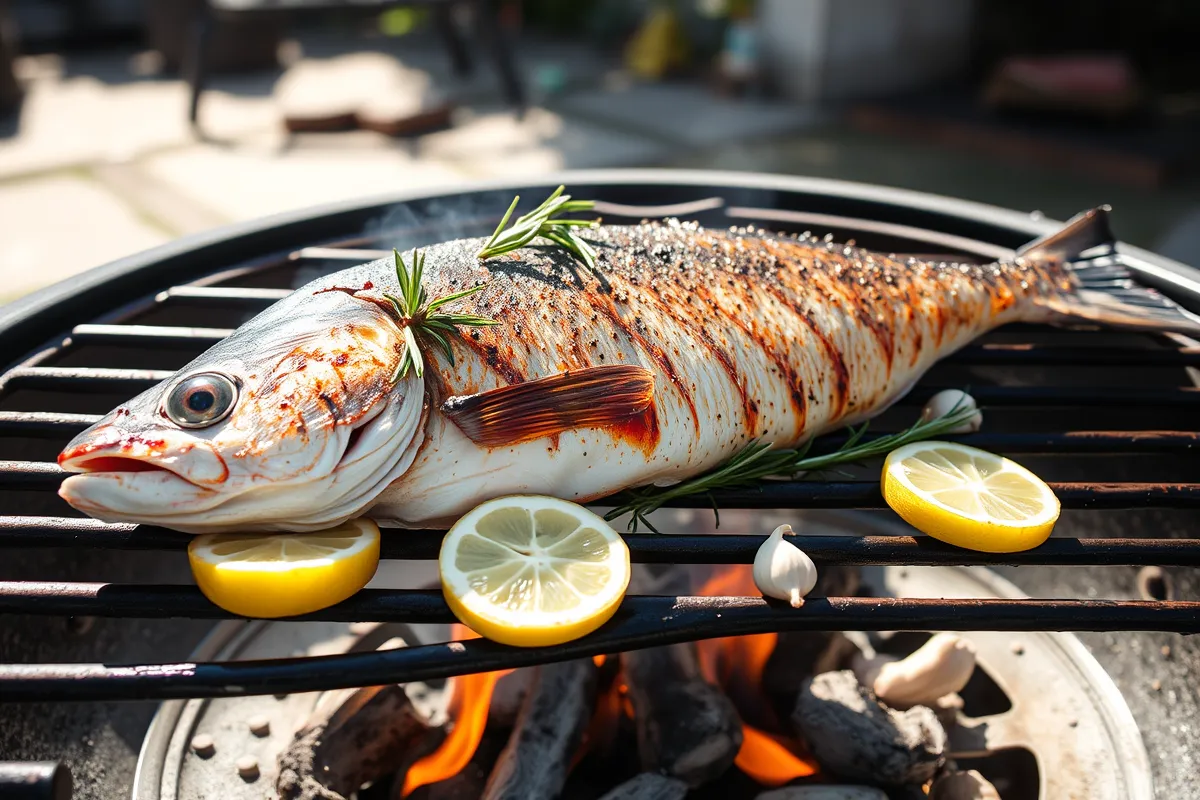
{"x": 1109, "y": 418}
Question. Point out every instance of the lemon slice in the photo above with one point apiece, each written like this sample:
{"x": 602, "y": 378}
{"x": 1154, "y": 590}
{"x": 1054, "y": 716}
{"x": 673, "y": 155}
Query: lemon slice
{"x": 532, "y": 571}
{"x": 282, "y": 575}
{"x": 969, "y": 497}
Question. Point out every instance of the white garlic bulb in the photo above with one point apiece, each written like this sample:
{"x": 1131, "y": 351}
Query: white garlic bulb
{"x": 782, "y": 570}
{"x": 948, "y": 400}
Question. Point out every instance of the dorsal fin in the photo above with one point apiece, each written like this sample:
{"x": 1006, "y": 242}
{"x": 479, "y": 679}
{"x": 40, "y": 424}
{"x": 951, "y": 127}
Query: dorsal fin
{"x": 1080, "y": 234}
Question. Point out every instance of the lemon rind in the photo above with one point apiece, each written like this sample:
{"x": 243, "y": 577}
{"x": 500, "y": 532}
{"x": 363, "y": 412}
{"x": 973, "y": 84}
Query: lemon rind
{"x": 1050, "y": 503}
{"x": 523, "y": 625}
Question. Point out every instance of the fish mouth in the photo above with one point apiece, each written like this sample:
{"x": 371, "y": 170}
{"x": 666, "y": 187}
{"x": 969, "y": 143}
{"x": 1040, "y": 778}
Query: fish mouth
{"x": 111, "y": 452}
{"x": 93, "y": 464}
{"x": 121, "y": 477}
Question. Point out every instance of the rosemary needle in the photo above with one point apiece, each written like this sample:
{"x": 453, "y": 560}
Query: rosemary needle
{"x": 417, "y": 318}
{"x": 544, "y": 221}
{"x": 758, "y": 461}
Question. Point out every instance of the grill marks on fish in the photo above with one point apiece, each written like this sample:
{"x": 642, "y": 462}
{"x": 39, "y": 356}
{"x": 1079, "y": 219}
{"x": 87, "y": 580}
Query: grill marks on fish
{"x": 779, "y": 336}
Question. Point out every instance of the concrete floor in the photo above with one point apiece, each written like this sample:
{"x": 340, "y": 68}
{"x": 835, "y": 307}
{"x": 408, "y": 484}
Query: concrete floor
{"x": 101, "y": 163}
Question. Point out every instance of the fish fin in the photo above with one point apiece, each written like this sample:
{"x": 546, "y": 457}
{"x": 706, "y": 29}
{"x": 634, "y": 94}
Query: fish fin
{"x": 1081, "y": 233}
{"x": 1106, "y": 292}
{"x": 594, "y": 397}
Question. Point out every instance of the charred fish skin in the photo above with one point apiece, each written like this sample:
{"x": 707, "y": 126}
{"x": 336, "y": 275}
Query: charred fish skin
{"x": 750, "y": 336}
{"x": 708, "y": 339}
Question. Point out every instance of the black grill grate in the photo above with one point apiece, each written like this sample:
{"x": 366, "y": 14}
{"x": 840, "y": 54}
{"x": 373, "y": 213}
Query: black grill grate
{"x": 1070, "y": 401}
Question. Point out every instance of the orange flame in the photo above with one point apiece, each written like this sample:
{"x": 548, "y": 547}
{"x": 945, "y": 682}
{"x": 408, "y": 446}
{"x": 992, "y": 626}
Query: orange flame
{"x": 738, "y": 661}
{"x": 737, "y": 657}
{"x": 768, "y": 760}
{"x": 472, "y": 699}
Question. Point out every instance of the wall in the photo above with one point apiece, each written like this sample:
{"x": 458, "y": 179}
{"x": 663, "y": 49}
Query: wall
{"x": 830, "y": 50}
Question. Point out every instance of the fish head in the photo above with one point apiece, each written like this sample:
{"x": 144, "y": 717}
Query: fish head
{"x": 297, "y": 421}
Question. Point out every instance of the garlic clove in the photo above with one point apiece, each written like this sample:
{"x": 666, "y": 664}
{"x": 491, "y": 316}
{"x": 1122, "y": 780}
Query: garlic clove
{"x": 782, "y": 570}
{"x": 866, "y": 669}
{"x": 969, "y": 785}
{"x": 948, "y": 400}
{"x": 942, "y": 666}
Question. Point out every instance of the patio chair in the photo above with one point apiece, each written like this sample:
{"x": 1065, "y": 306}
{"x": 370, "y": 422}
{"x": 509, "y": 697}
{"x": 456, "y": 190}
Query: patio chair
{"x": 485, "y": 15}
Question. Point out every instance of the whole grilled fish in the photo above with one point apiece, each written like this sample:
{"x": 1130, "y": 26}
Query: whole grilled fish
{"x": 678, "y": 349}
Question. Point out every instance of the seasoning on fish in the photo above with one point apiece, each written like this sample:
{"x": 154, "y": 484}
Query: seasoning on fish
{"x": 658, "y": 359}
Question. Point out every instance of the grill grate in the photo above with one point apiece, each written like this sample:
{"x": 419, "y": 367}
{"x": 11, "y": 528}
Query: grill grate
{"x": 1054, "y": 396}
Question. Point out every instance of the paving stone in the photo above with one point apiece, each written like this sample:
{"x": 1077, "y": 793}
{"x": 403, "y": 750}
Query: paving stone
{"x": 57, "y": 226}
{"x": 689, "y": 115}
{"x": 497, "y": 144}
{"x": 247, "y": 183}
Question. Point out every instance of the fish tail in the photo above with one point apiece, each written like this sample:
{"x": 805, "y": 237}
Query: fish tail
{"x": 1103, "y": 290}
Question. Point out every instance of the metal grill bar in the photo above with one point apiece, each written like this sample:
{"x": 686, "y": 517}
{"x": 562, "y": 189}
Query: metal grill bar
{"x": 137, "y": 601}
{"x": 147, "y": 335}
{"x": 1068, "y": 396}
{"x": 222, "y": 296}
{"x": 417, "y": 545}
{"x": 84, "y": 379}
{"x": 640, "y": 622}
{"x": 867, "y": 495}
{"x": 44, "y": 475}
{"x": 1058, "y": 355}
{"x": 44, "y": 423}
{"x": 864, "y": 495}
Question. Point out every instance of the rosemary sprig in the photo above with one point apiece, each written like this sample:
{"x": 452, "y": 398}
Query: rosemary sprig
{"x": 543, "y": 221}
{"x": 417, "y": 318}
{"x": 758, "y": 461}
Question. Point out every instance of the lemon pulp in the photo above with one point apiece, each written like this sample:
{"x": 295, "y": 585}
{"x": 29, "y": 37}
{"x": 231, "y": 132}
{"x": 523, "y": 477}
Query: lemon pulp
{"x": 530, "y": 571}
{"x": 969, "y": 497}
{"x": 283, "y": 575}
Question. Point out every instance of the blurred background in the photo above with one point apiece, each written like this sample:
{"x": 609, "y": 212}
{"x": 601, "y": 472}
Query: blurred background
{"x": 128, "y": 123}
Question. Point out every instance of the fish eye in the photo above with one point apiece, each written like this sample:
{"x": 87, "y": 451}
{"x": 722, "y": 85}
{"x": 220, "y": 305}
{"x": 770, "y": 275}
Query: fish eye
{"x": 201, "y": 400}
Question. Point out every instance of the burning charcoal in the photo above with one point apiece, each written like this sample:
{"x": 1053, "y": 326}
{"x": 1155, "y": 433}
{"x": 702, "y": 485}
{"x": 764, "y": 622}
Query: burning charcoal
{"x": 823, "y": 793}
{"x": 947, "y": 708}
{"x": 548, "y": 733}
{"x": 686, "y": 727}
{"x": 508, "y": 697}
{"x": 853, "y": 734}
{"x": 355, "y": 736}
{"x": 969, "y": 785}
{"x": 649, "y": 786}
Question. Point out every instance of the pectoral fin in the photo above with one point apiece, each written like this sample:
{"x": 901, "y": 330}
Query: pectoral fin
{"x": 595, "y": 397}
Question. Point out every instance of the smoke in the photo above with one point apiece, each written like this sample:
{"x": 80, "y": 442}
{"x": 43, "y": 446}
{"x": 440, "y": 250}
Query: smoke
{"x": 416, "y": 223}
{"x": 440, "y": 219}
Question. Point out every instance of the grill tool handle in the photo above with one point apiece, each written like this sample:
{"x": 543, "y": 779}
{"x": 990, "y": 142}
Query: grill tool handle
{"x": 35, "y": 780}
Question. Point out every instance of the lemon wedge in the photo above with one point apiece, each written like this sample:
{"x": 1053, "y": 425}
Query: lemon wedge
{"x": 532, "y": 571}
{"x": 968, "y": 497}
{"x": 282, "y": 575}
